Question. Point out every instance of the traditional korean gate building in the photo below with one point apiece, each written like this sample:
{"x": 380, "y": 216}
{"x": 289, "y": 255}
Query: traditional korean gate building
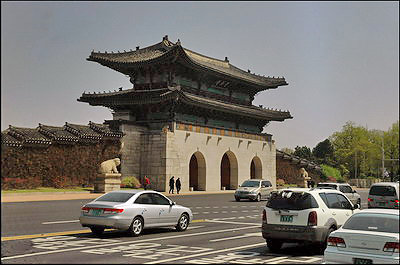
{"x": 189, "y": 116}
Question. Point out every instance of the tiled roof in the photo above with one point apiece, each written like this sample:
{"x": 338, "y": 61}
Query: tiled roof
{"x": 104, "y": 130}
{"x": 167, "y": 49}
{"x": 132, "y": 97}
{"x": 58, "y": 134}
{"x": 8, "y": 140}
{"x": 45, "y": 135}
{"x": 83, "y": 131}
{"x": 28, "y": 135}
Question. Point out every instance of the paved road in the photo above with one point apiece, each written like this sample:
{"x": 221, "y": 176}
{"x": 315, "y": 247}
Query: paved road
{"x": 223, "y": 231}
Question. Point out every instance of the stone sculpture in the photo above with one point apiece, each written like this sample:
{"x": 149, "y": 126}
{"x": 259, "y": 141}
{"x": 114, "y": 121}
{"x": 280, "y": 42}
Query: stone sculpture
{"x": 304, "y": 175}
{"x": 109, "y": 166}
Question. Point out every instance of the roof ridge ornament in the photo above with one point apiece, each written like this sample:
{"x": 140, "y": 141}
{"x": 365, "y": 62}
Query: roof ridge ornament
{"x": 178, "y": 42}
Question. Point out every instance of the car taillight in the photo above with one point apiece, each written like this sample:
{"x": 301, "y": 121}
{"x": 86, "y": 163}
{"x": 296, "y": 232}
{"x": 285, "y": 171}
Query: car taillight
{"x": 370, "y": 200}
{"x": 112, "y": 210}
{"x": 85, "y": 209}
{"x": 336, "y": 242}
{"x": 312, "y": 218}
{"x": 391, "y": 247}
{"x": 264, "y": 216}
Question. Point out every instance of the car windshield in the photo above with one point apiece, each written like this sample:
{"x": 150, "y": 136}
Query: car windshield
{"x": 323, "y": 185}
{"x": 373, "y": 222}
{"x": 250, "y": 183}
{"x": 116, "y": 197}
{"x": 288, "y": 200}
{"x": 382, "y": 191}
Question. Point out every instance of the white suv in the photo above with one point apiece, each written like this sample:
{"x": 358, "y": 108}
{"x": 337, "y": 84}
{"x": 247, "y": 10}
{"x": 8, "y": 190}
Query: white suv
{"x": 304, "y": 215}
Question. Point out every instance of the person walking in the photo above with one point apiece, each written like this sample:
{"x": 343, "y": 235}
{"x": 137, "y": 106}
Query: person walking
{"x": 146, "y": 183}
{"x": 171, "y": 185}
{"x": 178, "y": 185}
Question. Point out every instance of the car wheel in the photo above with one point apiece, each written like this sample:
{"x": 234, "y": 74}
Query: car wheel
{"x": 97, "y": 230}
{"x": 258, "y": 197}
{"x": 237, "y": 199}
{"x": 136, "y": 227}
{"x": 183, "y": 222}
{"x": 322, "y": 245}
{"x": 274, "y": 245}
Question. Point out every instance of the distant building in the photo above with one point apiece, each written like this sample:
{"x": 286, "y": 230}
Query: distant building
{"x": 189, "y": 116}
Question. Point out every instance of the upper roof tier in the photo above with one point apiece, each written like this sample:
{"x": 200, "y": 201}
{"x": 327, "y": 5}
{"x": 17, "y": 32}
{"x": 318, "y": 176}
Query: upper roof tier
{"x": 167, "y": 51}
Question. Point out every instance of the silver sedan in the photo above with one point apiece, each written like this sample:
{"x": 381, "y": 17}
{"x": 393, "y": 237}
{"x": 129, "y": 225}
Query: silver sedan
{"x": 134, "y": 210}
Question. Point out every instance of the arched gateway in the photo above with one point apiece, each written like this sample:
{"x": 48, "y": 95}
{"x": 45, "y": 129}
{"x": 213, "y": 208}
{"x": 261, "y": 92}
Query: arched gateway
{"x": 181, "y": 101}
{"x": 229, "y": 171}
{"x": 256, "y": 168}
{"x": 197, "y": 172}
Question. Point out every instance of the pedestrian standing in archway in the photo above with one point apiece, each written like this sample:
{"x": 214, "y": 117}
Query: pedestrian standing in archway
{"x": 178, "y": 185}
{"x": 171, "y": 185}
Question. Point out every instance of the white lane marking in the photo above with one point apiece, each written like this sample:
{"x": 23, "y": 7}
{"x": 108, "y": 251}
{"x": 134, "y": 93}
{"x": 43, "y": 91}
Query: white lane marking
{"x": 127, "y": 242}
{"x": 206, "y": 212}
{"x": 227, "y": 222}
{"x": 198, "y": 207}
{"x": 245, "y": 211}
{"x": 235, "y": 237}
{"x": 256, "y": 211}
{"x": 206, "y": 253}
{"x": 195, "y": 213}
{"x": 224, "y": 212}
{"x": 215, "y": 207}
{"x": 207, "y": 207}
{"x": 215, "y": 212}
{"x": 60, "y": 222}
{"x": 234, "y": 211}
{"x": 194, "y": 227}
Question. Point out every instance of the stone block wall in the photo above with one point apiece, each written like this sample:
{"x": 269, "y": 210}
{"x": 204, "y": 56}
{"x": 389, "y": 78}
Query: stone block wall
{"x": 56, "y": 165}
{"x": 290, "y": 172}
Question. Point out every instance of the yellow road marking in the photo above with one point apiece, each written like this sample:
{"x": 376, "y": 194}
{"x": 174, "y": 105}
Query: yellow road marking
{"x": 7, "y": 238}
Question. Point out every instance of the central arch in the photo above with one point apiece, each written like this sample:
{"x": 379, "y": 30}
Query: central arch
{"x": 256, "y": 168}
{"x": 229, "y": 171}
{"x": 197, "y": 171}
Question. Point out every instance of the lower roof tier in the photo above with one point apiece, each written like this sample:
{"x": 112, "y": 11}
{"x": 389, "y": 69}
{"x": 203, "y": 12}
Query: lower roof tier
{"x": 131, "y": 98}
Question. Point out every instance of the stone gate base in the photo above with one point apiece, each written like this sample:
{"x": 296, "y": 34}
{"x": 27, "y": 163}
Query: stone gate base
{"x": 107, "y": 182}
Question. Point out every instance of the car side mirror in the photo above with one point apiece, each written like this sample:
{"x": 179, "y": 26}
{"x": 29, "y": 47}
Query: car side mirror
{"x": 172, "y": 204}
{"x": 354, "y": 191}
{"x": 356, "y": 206}
{"x": 239, "y": 185}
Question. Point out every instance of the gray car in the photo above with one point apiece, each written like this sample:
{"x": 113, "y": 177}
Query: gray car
{"x": 254, "y": 189}
{"x": 134, "y": 210}
{"x": 384, "y": 195}
{"x": 353, "y": 196}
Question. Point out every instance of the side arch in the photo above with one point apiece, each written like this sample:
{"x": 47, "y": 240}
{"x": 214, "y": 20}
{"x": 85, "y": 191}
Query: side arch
{"x": 256, "y": 168}
{"x": 197, "y": 171}
{"x": 229, "y": 171}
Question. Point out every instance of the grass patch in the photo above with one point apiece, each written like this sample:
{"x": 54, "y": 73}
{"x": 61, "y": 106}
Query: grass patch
{"x": 48, "y": 189}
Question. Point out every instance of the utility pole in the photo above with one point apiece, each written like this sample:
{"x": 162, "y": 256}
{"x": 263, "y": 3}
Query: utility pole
{"x": 355, "y": 164}
{"x": 383, "y": 157}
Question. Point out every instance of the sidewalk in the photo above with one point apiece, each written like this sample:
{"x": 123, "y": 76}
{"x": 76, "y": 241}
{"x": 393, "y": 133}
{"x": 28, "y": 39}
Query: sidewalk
{"x": 53, "y": 196}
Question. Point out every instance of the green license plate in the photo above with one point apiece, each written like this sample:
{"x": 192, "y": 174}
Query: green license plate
{"x": 97, "y": 212}
{"x": 287, "y": 218}
{"x": 362, "y": 261}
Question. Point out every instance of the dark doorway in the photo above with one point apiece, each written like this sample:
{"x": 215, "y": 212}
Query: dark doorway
{"x": 194, "y": 173}
{"x": 252, "y": 170}
{"x": 225, "y": 172}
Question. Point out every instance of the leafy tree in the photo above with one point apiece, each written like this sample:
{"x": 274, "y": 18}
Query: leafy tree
{"x": 323, "y": 152}
{"x": 303, "y": 152}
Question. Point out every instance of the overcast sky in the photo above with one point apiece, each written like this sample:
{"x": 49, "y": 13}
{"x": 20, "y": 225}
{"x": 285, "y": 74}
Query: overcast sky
{"x": 340, "y": 59}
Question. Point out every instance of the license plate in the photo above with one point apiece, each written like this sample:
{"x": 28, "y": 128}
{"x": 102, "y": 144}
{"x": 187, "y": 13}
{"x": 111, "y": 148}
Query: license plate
{"x": 362, "y": 261}
{"x": 97, "y": 212}
{"x": 287, "y": 218}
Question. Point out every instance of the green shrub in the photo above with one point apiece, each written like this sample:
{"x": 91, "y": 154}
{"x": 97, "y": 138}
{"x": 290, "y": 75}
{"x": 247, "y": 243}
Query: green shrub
{"x": 330, "y": 173}
{"x": 130, "y": 182}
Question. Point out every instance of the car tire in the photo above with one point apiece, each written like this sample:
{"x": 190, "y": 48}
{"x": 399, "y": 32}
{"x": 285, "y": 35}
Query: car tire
{"x": 322, "y": 245}
{"x": 136, "y": 227}
{"x": 183, "y": 222}
{"x": 274, "y": 245}
{"x": 258, "y": 199}
{"x": 237, "y": 199}
{"x": 97, "y": 230}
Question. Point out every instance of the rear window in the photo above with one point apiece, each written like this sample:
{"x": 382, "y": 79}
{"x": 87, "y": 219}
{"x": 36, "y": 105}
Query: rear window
{"x": 116, "y": 197}
{"x": 291, "y": 201}
{"x": 373, "y": 222}
{"x": 382, "y": 191}
{"x": 250, "y": 184}
{"x": 332, "y": 186}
